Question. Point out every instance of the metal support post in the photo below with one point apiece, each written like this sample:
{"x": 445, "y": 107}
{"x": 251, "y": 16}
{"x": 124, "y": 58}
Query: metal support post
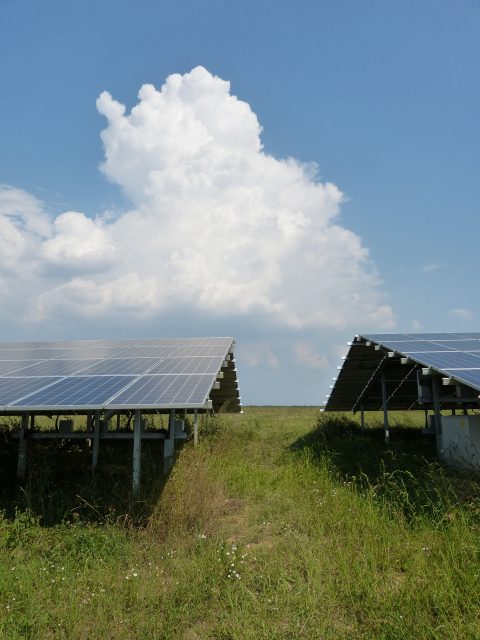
{"x": 169, "y": 444}
{"x": 96, "y": 440}
{"x": 385, "y": 409}
{"x": 118, "y": 421}
{"x": 22, "y": 449}
{"x": 438, "y": 415}
{"x": 137, "y": 451}
{"x": 362, "y": 417}
{"x": 195, "y": 427}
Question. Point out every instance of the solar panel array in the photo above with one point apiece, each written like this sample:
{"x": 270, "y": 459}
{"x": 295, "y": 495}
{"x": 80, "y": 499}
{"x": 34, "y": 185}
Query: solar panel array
{"x": 101, "y": 374}
{"x": 399, "y": 357}
{"x": 456, "y": 355}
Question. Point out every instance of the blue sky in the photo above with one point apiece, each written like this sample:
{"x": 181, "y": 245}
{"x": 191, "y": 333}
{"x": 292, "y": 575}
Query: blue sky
{"x": 382, "y": 96}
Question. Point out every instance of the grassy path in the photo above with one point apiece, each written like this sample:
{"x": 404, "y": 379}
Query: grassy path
{"x": 267, "y": 530}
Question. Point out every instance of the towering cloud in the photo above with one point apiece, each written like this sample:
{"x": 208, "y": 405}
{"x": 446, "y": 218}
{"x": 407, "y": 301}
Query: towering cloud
{"x": 215, "y": 223}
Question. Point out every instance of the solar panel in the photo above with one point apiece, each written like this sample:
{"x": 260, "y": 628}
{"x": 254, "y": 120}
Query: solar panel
{"x": 18, "y": 354}
{"x": 452, "y": 355}
{"x": 197, "y": 364}
{"x": 446, "y": 360}
{"x": 12, "y": 389}
{"x": 161, "y": 390}
{"x": 119, "y": 366}
{"x": 8, "y": 367}
{"x": 89, "y": 374}
{"x": 470, "y": 376}
{"x": 76, "y": 391}
{"x": 460, "y": 345}
{"x": 51, "y": 368}
{"x": 415, "y": 346}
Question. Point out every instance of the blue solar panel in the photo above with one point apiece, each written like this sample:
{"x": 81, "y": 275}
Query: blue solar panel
{"x": 469, "y": 376}
{"x": 197, "y": 364}
{"x": 455, "y": 355}
{"x": 460, "y": 345}
{"x": 120, "y": 366}
{"x": 18, "y": 354}
{"x": 161, "y": 390}
{"x": 52, "y": 368}
{"x": 77, "y": 391}
{"x": 415, "y": 346}
{"x": 10, "y": 367}
{"x": 435, "y": 336}
{"x": 86, "y": 374}
{"x": 194, "y": 350}
{"x": 12, "y": 389}
{"x": 48, "y": 354}
{"x": 446, "y": 360}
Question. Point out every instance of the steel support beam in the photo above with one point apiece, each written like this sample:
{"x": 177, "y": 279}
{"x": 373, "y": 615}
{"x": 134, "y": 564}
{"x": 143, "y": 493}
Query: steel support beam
{"x": 385, "y": 408}
{"x": 370, "y": 383}
{"x": 96, "y": 440}
{"x": 438, "y": 415}
{"x": 22, "y": 449}
{"x": 195, "y": 427}
{"x": 169, "y": 443}
{"x": 137, "y": 451}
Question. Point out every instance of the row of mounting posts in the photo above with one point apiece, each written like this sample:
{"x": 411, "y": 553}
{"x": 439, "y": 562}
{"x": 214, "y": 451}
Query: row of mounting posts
{"x": 94, "y": 427}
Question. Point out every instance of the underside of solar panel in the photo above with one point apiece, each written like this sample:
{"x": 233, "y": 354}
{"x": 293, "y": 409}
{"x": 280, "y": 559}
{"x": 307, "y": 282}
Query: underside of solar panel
{"x": 404, "y": 362}
{"x": 189, "y": 373}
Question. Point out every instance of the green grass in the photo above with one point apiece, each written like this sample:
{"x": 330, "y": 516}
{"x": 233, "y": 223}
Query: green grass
{"x": 279, "y": 525}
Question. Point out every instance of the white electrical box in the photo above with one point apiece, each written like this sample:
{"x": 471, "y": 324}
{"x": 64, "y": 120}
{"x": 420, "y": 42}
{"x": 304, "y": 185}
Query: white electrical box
{"x": 461, "y": 441}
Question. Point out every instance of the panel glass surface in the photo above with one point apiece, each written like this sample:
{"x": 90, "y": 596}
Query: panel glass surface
{"x": 48, "y": 354}
{"x": 460, "y": 345}
{"x": 77, "y": 391}
{"x": 469, "y": 376}
{"x": 380, "y": 337}
{"x": 198, "y": 364}
{"x": 195, "y": 350}
{"x": 158, "y": 390}
{"x": 12, "y": 389}
{"x": 10, "y": 367}
{"x": 435, "y": 336}
{"x": 105, "y": 353}
{"x": 120, "y": 366}
{"x": 87, "y": 373}
{"x": 52, "y": 368}
{"x": 446, "y": 360}
{"x": 18, "y": 354}
{"x": 415, "y": 346}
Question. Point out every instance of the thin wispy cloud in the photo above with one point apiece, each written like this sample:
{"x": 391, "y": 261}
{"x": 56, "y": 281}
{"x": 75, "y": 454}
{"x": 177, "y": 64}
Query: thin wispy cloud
{"x": 305, "y": 354}
{"x": 461, "y": 313}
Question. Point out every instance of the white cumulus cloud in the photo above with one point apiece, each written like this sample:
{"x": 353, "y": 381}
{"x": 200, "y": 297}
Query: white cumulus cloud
{"x": 216, "y": 225}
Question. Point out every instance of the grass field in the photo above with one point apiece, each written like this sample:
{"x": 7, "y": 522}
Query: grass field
{"x": 279, "y": 525}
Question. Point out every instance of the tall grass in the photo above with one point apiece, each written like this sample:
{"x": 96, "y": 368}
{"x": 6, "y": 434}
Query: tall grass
{"x": 281, "y": 524}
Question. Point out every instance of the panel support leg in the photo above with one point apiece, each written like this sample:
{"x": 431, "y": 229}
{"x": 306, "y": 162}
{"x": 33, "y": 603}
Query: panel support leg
{"x": 22, "y": 449}
{"x": 169, "y": 444}
{"x": 385, "y": 409}
{"x": 137, "y": 451}
{"x": 195, "y": 427}
{"x": 96, "y": 440}
{"x": 438, "y": 415}
{"x": 362, "y": 417}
